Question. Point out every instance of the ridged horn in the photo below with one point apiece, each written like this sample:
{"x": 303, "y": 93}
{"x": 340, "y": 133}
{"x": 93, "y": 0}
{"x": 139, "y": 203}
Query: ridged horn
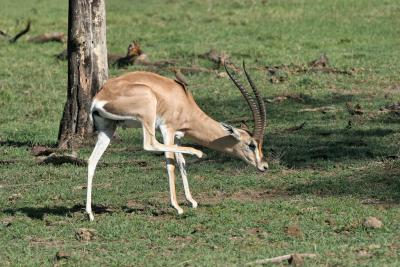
{"x": 258, "y": 129}
{"x": 254, "y": 106}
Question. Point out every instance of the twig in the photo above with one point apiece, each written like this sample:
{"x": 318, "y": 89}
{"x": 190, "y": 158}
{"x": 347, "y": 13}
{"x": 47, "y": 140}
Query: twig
{"x": 16, "y": 37}
{"x": 295, "y": 128}
{"x": 183, "y": 262}
{"x": 281, "y": 258}
{"x": 320, "y": 109}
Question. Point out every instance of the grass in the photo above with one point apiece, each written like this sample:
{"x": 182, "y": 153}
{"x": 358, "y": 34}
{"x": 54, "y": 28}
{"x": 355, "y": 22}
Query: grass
{"x": 324, "y": 179}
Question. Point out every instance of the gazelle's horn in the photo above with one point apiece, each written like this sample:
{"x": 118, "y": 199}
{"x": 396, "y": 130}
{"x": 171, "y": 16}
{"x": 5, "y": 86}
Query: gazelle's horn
{"x": 254, "y": 106}
{"x": 260, "y": 128}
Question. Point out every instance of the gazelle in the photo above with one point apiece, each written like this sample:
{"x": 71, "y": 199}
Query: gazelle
{"x": 148, "y": 100}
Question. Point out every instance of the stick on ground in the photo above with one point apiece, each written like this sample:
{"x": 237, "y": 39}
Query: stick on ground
{"x": 279, "y": 259}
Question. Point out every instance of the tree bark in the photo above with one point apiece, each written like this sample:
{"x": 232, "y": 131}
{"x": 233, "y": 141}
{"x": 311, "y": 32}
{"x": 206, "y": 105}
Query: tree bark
{"x": 87, "y": 68}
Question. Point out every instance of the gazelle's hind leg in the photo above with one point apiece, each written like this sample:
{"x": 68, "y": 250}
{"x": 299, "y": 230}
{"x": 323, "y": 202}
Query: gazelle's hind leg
{"x": 106, "y": 129}
{"x": 180, "y": 160}
{"x": 168, "y": 136}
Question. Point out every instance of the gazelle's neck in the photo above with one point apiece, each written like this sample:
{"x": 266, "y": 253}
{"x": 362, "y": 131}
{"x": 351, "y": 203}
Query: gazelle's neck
{"x": 209, "y": 133}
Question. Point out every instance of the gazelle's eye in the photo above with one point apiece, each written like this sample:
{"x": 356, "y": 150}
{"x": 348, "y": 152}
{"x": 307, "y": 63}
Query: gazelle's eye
{"x": 252, "y": 146}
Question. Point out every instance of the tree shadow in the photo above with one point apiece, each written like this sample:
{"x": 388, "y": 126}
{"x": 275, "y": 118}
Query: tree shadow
{"x": 16, "y": 143}
{"x": 370, "y": 185}
{"x": 316, "y": 146}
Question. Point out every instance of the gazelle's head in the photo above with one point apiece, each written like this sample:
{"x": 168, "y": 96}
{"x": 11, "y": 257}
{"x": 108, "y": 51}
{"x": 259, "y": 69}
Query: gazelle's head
{"x": 248, "y": 146}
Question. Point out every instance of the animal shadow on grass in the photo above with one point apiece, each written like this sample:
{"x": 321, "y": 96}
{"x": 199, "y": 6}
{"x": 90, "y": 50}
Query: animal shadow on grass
{"x": 39, "y": 213}
{"x": 372, "y": 186}
{"x": 137, "y": 207}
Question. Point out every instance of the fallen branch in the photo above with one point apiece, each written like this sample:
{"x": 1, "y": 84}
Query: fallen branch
{"x": 48, "y": 37}
{"x": 275, "y": 99}
{"x": 42, "y": 151}
{"x": 279, "y": 259}
{"x": 24, "y": 31}
{"x": 320, "y": 109}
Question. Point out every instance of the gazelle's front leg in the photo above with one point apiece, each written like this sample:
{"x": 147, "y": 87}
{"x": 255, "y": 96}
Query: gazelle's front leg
{"x": 168, "y": 137}
{"x": 182, "y": 165}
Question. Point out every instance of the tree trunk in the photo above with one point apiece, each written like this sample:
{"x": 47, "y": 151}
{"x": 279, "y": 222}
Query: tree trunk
{"x": 87, "y": 67}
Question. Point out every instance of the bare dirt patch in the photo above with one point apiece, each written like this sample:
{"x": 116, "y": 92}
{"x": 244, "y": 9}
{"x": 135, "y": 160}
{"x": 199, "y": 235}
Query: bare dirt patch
{"x": 51, "y": 243}
{"x": 247, "y": 195}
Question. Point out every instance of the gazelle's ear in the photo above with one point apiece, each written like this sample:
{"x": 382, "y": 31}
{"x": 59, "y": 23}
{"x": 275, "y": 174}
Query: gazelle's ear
{"x": 231, "y": 130}
{"x": 244, "y": 126}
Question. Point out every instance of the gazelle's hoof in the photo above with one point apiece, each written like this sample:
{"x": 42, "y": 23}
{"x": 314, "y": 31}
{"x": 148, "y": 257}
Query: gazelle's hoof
{"x": 199, "y": 154}
{"x": 90, "y": 215}
{"x": 194, "y": 203}
{"x": 178, "y": 209}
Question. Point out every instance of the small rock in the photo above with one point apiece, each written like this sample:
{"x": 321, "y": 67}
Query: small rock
{"x": 222, "y": 75}
{"x": 7, "y": 222}
{"x": 62, "y": 255}
{"x": 14, "y": 197}
{"x": 372, "y": 222}
{"x": 85, "y": 234}
{"x": 296, "y": 260}
{"x": 363, "y": 253}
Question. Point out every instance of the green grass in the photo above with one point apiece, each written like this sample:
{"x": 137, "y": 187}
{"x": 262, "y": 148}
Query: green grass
{"x": 325, "y": 178}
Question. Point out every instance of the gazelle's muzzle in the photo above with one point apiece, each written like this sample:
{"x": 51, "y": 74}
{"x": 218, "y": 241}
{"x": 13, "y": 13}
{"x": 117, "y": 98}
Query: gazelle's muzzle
{"x": 262, "y": 166}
